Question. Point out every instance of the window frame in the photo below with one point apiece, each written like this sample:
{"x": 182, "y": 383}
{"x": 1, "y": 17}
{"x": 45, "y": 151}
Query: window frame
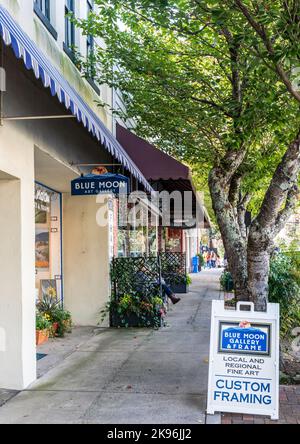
{"x": 70, "y": 37}
{"x": 90, "y": 48}
{"x": 43, "y": 17}
{"x": 90, "y": 40}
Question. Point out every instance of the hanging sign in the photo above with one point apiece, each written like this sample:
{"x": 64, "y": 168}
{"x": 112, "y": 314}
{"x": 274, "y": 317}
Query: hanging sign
{"x": 244, "y": 360}
{"x": 92, "y": 184}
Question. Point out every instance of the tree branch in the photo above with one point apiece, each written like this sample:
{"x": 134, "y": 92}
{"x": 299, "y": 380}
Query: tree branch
{"x": 290, "y": 204}
{"x": 213, "y": 105}
{"x": 283, "y": 180}
{"x": 260, "y": 30}
{"x": 234, "y": 190}
{"x": 231, "y": 162}
{"x": 233, "y": 48}
{"x": 241, "y": 213}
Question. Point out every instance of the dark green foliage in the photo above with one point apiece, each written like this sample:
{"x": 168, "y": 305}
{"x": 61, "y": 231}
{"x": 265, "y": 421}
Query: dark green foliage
{"x": 201, "y": 260}
{"x": 226, "y": 281}
{"x": 173, "y": 268}
{"x": 136, "y": 292}
{"x": 284, "y": 288}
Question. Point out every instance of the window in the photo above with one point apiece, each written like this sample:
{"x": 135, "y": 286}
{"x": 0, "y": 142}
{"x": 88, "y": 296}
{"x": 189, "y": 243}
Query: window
{"x": 48, "y": 240}
{"x": 42, "y": 8}
{"x": 90, "y": 38}
{"x": 69, "y": 25}
{"x": 90, "y": 52}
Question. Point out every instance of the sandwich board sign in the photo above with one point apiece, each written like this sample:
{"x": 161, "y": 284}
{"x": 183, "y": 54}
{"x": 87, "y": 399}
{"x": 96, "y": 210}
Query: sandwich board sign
{"x": 244, "y": 360}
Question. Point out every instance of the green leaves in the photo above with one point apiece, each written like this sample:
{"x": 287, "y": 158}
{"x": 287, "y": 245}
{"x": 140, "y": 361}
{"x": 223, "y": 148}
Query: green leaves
{"x": 199, "y": 81}
{"x": 284, "y": 288}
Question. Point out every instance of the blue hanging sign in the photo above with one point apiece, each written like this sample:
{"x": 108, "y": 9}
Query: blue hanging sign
{"x": 91, "y": 185}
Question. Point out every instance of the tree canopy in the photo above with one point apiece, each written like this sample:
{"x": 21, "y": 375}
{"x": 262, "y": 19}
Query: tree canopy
{"x": 197, "y": 80}
{"x": 215, "y": 84}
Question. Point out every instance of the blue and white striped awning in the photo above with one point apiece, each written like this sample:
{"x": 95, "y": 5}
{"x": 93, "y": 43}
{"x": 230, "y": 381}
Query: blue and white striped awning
{"x": 24, "y": 48}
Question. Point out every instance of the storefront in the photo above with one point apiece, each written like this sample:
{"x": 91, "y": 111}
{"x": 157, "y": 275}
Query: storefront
{"x": 137, "y": 230}
{"x": 171, "y": 180}
{"x": 49, "y": 237}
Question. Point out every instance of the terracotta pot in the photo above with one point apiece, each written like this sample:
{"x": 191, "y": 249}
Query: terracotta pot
{"x": 42, "y": 336}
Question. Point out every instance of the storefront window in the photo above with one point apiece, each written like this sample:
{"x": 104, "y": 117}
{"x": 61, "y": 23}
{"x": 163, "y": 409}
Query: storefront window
{"x": 152, "y": 240}
{"x": 48, "y": 242}
{"x": 174, "y": 240}
{"x": 139, "y": 238}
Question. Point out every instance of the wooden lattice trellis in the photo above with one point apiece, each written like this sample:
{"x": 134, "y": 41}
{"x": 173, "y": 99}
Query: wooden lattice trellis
{"x": 142, "y": 275}
{"x": 173, "y": 268}
{"x": 136, "y": 275}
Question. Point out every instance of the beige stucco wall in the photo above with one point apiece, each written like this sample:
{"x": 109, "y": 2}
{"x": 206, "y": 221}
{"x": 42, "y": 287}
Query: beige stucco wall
{"x": 65, "y": 142}
{"x": 17, "y": 301}
{"x": 86, "y": 259}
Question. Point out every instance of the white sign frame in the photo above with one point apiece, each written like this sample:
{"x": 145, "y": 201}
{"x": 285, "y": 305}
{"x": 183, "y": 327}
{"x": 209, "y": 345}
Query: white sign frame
{"x": 268, "y": 356}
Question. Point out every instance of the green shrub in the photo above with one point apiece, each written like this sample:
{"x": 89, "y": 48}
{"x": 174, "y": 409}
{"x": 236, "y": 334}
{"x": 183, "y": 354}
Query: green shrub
{"x": 42, "y": 322}
{"x": 64, "y": 320}
{"x": 188, "y": 280}
{"x": 284, "y": 289}
{"x": 48, "y": 305}
{"x": 129, "y": 304}
{"x": 201, "y": 260}
{"x": 226, "y": 281}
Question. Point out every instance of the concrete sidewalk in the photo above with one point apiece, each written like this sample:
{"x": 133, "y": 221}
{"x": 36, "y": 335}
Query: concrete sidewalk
{"x": 134, "y": 376}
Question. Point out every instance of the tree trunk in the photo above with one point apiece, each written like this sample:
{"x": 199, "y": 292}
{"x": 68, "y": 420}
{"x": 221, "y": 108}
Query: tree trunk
{"x": 249, "y": 256}
{"x": 258, "y": 264}
{"x": 278, "y": 204}
{"x": 258, "y": 278}
{"x": 232, "y": 238}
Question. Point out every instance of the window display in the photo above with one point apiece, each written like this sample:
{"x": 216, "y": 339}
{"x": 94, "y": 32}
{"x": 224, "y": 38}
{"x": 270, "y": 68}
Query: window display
{"x": 48, "y": 239}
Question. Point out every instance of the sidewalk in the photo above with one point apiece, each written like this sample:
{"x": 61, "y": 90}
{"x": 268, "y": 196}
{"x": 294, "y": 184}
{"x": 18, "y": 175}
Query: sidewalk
{"x": 128, "y": 376}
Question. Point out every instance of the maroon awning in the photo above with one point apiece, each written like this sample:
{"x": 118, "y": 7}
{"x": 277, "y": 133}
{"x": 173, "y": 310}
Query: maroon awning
{"x": 154, "y": 163}
{"x": 161, "y": 170}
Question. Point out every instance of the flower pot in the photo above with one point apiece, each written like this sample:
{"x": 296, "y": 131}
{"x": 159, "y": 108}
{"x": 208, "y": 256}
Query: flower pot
{"x": 42, "y": 336}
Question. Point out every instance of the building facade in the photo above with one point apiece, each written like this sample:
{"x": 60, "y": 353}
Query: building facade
{"x": 51, "y": 132}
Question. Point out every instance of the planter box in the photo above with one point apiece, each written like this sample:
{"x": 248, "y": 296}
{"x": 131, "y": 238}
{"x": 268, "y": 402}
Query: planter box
{"x": 42, "y": 336}
{"x": 180, "y": 288}
{"x": 133, "y": 320}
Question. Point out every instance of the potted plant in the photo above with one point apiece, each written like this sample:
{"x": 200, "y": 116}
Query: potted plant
{"x": 180, "y": 283}
{"x": 201, "y": 261}
{"x": 48, "y": 306}
{"x": 133, "y": 311}
{"x": 63, "y": 320}
{"x": 43, "y": 326}
{"x": 60, "y": 319}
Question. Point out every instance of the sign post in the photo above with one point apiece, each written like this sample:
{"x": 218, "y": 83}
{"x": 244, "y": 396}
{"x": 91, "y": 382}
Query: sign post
{"x": 244, "y": 360}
